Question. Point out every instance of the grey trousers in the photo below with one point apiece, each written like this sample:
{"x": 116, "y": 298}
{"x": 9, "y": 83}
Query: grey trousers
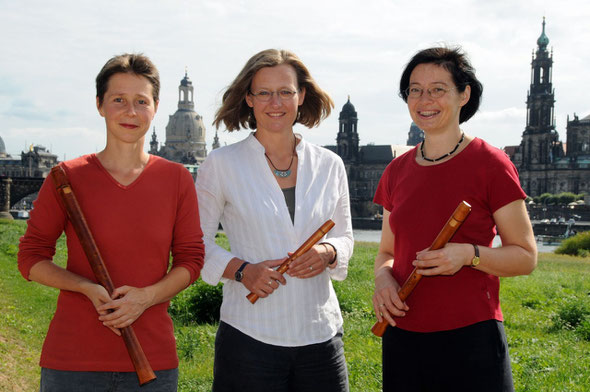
{"x": 70, "y": 381}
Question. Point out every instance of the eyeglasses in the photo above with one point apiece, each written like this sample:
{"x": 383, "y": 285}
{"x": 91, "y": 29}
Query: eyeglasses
{"x": 266, "y": 96}
{"x": 434, "y": 92}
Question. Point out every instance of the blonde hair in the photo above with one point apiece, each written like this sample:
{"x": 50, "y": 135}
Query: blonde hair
{"x": 235, "y": 112}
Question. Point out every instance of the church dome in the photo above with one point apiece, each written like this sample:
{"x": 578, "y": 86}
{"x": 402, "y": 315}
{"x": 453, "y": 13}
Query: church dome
{"x": 348, "y": 110}
{"x": 2, "y": 148}
{"x": 185, "y": 126}
{"x": 415, "y": 135}
{"x": 543, "y": 41}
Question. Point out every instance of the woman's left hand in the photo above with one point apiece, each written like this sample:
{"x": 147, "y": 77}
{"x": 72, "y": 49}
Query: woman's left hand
{"x": 311, "y": 263}
{"x": 445, "y": 261}
{"x": 127, "y": 305}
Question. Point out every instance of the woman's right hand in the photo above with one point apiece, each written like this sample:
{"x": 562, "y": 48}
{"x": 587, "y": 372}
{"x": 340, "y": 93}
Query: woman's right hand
{"x": 386, "y": 302}
{"x": 98, "y": 295}
{"x": 262, "y": 278}
{"x": 52, "y": 275}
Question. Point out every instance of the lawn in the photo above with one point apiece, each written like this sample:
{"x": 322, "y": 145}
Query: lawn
{"x": 547, "y": 322}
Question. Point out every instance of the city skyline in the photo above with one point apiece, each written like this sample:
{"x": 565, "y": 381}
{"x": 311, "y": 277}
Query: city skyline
{"x": 52, "y": 53}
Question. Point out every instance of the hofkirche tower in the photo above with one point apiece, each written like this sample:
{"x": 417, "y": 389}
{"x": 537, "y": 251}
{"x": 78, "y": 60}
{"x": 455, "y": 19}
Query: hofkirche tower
{"x": 543, "y": 163}
{"x": 540, "y": 141}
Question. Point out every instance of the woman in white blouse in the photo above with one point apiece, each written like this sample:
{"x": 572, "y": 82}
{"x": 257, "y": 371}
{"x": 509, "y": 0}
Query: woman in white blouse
{"x": 270, "y": 192}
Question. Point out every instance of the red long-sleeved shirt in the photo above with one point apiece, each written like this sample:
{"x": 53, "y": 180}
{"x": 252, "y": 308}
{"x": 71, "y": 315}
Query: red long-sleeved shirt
{"x": 136, "y": 227}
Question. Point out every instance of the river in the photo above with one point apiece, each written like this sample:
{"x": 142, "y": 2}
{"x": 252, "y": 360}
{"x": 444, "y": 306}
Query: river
{"x": 375, "y": 236}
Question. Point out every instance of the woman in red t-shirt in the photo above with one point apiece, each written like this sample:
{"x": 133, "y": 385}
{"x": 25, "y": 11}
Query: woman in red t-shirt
{"x": 141, "y": 208}
{"x": 448, "y": 335}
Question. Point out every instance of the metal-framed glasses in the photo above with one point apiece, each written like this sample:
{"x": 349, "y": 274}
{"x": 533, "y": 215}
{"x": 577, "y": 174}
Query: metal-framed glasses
{"x": 266, "y": 96}
{"x": 416, "y": 92}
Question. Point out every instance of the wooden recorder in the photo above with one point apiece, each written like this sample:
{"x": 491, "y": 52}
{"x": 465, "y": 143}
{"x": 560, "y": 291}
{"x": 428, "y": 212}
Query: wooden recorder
{"x": 452, "y": 225}
{"x": 307, "y": 245}
{"x": 64, "y": 189}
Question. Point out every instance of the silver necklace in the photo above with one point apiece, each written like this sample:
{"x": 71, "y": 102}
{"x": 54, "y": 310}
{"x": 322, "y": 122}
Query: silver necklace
{"x": 287, "y": 172}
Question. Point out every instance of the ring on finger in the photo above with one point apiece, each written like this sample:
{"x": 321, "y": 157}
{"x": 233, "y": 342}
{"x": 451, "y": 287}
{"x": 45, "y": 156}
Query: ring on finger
{"x": 270, "y": 282}
{"x": 310, "y": 268}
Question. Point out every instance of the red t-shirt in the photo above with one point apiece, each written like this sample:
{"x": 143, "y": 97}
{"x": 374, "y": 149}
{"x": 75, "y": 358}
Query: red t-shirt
{"x": 136, "y": 227}
{"x": 421, "y": 199}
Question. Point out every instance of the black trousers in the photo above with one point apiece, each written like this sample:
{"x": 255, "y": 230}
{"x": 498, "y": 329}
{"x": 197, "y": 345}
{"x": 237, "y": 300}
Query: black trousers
{"x": 245, "y": 364}
{"x": 472, "y": 358}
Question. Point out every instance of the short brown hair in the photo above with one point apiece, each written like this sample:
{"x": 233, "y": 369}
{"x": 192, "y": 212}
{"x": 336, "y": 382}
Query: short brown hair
{"x": 235, "y": 112}
{"x": 135, "y": 63}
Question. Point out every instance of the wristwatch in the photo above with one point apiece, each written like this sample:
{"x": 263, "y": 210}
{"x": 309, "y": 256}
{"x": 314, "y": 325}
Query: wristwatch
{"x": 475, "y": 260}
{"x": 239, "y": 274}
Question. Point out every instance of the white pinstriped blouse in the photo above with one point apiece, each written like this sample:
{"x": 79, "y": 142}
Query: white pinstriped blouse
{"x": 236, "y": 187}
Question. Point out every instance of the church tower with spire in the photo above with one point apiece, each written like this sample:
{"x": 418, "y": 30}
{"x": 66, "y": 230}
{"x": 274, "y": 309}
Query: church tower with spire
{"x": 540, "y": 146}
{"x": 154, "y": 143}
{"x": 348, "y": 137}
{"x": 216, "y": 144}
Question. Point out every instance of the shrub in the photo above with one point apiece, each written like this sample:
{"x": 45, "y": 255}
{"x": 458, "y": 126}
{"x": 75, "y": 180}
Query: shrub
{"x": 584, "y": 329}
{"x": 574, "y": 245}
{"x": 545, "y": 198}
{"x": 570, "y": 315}
{"x": 200, "y": 303}
{"x": 565, "y": 198}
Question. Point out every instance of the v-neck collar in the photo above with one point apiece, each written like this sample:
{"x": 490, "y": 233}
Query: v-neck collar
{"x": 95, "y": 159}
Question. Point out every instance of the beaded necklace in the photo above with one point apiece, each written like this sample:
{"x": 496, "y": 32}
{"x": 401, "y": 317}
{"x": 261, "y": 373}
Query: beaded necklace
{"x": 442, "y": 156}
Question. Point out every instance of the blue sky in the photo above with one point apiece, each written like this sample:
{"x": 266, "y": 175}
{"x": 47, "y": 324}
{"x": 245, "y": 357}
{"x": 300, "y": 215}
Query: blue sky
{"x": 52, "y": 51}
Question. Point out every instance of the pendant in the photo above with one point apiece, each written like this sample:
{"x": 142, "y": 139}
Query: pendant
{"x": 282, "y": 173}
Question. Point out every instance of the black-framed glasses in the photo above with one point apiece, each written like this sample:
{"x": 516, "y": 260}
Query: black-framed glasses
{"x": 416, "y": 92}
{"x": 266, "y": 96}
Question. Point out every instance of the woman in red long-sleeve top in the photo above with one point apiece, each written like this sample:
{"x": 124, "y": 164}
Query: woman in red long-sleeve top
{"x": 140, "y": 209}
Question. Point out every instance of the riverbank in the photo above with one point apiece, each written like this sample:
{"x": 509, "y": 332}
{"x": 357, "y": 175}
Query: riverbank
{"x": 374, "y": 236}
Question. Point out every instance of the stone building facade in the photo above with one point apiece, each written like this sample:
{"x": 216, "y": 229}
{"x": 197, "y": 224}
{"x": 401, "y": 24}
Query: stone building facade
{"x": 364, "y": 164}
{"x": 37, "y": 162}
{"x": 544, "y": 163}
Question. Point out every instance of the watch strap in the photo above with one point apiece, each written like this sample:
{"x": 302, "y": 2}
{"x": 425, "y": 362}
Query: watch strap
{"x": 475, "y": 260}
{"x": 238, "y": 275}
{"x": 326, "y": 244}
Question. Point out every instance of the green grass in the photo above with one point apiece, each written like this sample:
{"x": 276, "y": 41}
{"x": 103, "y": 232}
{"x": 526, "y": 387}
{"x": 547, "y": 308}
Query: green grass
{"x": 547, "y": 320}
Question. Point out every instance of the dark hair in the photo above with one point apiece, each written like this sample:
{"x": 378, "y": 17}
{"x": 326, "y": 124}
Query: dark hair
{"x": 235, "y": 112}
{"x": 455, "y": 61}
{"x": 135, "y": 63}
